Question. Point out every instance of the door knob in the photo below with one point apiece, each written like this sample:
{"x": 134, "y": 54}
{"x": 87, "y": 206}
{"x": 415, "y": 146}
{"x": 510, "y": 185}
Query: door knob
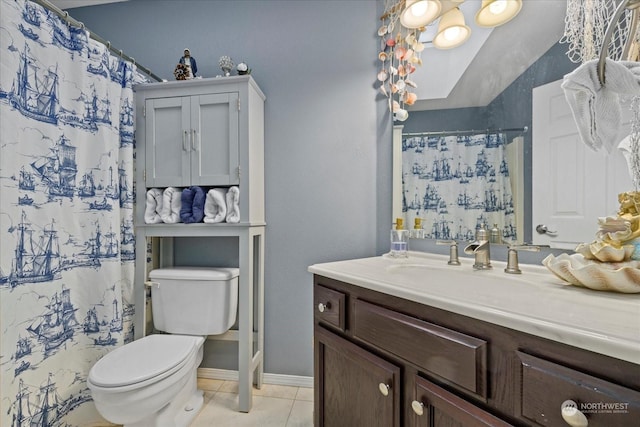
{"x": 384, "y": 388}
{"x": 322, "y": 307}
{"x": 418, "y": 407}
{"x": 542, "y": 229}
{"x": 572, "y": 415}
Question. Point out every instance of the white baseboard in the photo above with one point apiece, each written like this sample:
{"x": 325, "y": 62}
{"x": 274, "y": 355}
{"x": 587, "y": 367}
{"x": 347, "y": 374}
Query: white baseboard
{"x": 278, "y": 379}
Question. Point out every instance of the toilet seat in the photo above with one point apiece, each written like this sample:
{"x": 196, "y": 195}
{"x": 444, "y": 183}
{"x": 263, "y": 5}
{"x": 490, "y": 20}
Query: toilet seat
{"x": 147, "y": 360}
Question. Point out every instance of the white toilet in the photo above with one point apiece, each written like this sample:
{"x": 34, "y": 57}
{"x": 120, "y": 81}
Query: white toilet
{"x": 152, "y": 381}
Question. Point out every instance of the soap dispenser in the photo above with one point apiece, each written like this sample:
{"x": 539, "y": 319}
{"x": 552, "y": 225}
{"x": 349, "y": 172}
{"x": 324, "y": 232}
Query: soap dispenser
{"x": 399, "y": 240}
{"x": 417, "y": 232}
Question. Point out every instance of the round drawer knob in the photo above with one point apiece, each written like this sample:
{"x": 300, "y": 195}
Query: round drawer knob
{"x": 418, "y": 407}
{"x": 322, "y": 307}
{"x": 572, "y": 415}
{"x": 384, "y": 388}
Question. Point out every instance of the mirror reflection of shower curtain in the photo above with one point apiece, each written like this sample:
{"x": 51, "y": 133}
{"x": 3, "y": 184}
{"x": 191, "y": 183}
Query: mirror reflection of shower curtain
{"x": 455, "y": 183}
{"x": 66, "y": 214}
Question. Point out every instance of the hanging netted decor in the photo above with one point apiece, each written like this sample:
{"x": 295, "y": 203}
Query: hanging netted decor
{"x": 585, "y": 27}
{"x": 632, "y": 151}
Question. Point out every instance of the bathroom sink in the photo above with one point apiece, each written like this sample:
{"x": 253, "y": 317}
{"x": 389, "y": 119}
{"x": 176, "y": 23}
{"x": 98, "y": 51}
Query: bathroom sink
{"x": 424, "y": 267}
{"x": 435, "y": 267}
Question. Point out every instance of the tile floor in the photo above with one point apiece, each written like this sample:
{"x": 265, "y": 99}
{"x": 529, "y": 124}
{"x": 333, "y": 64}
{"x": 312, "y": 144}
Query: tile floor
{"x": 273, "y": 406}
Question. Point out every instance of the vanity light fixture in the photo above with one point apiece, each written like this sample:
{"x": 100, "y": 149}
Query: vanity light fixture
{"x": 420, "y": 13}
{"x": 452, "y": 30}
{"x": 497, "y": 12}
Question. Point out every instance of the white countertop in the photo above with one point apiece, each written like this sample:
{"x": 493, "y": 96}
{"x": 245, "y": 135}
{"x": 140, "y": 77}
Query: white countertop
{"x": 535, "y": 302}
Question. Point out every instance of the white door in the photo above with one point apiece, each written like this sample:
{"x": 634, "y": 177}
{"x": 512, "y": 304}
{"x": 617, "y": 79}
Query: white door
{"x": 572, "y": 185}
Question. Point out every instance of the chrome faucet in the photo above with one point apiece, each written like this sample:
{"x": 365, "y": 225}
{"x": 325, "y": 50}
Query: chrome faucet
{"x": 481, "y": 250}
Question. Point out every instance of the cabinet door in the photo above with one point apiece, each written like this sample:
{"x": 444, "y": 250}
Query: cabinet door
{"x": 354, "y": 387}
{"x": 434, "y": 406}
{"x": 167, "y": 142}
{"x": 214, "y": 139}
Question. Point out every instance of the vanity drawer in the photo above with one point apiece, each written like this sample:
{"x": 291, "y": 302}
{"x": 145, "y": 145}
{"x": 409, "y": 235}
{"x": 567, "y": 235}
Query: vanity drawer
{"x": 458, "y": 358}
{"x": 329, "y": 306}
{"x": 546, "y": 386}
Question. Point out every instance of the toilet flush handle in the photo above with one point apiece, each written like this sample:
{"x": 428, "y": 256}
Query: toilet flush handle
{"x": 151, "y": 283}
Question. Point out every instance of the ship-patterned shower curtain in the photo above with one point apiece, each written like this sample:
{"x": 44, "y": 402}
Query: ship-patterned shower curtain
{"x": 66, "y": 212}
{"x": 456, "y": 183}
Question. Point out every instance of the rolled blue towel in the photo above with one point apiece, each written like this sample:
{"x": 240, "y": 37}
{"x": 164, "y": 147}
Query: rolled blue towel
{"x": 192, "y": 209}
{"x": 198, "y": 204}
{"x": 186, "y": 210}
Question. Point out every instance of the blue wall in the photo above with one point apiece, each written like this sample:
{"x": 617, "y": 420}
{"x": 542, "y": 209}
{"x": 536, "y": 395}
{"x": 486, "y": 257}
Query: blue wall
{"x": 327, "y": 135}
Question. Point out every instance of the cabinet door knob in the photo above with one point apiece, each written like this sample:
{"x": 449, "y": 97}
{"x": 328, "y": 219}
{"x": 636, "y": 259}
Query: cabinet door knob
{"x": 418, "y": 407}
{"x": 194, "y": 142}
{"x": 324, "y": 306}
{"x": 384, "y": 388}
{"x": 185, "y": 143}
{"x": 572, "y": 415}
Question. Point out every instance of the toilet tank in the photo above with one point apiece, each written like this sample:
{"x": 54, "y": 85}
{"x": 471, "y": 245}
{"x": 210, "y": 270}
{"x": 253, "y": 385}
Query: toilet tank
{"x": 194, "y": 300}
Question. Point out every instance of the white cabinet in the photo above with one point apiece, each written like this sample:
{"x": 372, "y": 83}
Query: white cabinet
{"x": 210, "y": 133}
{"x": 206, "y": 132}
{"x": 200, "y": 130}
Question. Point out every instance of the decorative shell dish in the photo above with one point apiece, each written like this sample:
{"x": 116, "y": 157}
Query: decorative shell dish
{"x": 621, "y": 277}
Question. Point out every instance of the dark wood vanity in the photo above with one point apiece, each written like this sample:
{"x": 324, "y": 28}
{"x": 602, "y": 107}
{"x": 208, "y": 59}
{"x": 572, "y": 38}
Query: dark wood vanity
{"x": 382, "y": 360}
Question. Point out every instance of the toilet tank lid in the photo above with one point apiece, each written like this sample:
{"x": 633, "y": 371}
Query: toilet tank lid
{"x": 194, "y": 273}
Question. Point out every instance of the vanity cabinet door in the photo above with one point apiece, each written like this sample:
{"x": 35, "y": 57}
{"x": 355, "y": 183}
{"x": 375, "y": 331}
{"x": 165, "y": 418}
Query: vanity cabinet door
{"x": 434, "y": 406}
{"x": 598, "y": 401}
{"x": 353, "y": 387}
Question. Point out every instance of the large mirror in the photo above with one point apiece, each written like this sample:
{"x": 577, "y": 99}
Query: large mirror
{"x": 494, "y": 94}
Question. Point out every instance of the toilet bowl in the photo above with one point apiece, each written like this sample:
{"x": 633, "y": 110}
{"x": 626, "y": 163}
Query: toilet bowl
{"x": 152, "y": 382}
{"x": 149, "y": 382}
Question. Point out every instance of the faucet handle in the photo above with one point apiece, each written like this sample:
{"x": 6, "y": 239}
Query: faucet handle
{"x": 512, "y": 257}
{"x": 525, "y": 247}
{"x": 453, "y": 250}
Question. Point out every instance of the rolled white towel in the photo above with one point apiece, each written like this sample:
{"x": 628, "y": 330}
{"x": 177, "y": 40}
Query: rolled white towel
{"x": 153, "y": 207}
{"x": 215, "y": 206}
{"x": 233, "y": 205}
{"x": 171, "y": 204}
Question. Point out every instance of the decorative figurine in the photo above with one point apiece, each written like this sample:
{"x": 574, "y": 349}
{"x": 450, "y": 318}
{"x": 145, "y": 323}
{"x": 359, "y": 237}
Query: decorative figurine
{"x": 243, "y": 69}
{"x": 190, "y": 62}
{"x": 226, "y": 64}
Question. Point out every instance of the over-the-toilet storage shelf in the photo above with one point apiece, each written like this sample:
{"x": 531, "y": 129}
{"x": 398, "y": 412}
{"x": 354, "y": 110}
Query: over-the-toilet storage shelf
{"x": 207, "y": 132}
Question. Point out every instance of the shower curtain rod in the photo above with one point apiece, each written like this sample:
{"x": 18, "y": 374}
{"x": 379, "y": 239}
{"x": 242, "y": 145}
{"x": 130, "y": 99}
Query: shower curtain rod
{"x": 69, "y": 20}
{"x": 524, "y": 129}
